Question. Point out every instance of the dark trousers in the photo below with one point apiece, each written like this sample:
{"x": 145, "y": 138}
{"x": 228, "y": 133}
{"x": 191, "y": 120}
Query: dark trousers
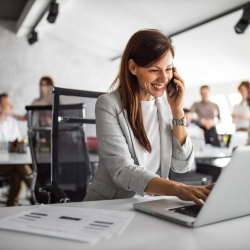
{"x": 211, "y": 136}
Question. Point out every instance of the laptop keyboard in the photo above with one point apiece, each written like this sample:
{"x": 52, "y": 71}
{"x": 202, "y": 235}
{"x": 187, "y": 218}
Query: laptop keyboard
{"x": 192, "y": 210}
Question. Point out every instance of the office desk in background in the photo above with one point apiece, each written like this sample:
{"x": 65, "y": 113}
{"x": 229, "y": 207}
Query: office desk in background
{"x": 16, "y": 158}
{"x": 25, "y": 158}
{"x": 211, "y": 160}
{"x": 144, "y": 232}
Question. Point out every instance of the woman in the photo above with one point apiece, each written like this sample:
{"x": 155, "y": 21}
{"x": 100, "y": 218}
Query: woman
{"x": 46, "y": 97}
{"x": 241, "y": 111}
{"x": 136, "y": 141}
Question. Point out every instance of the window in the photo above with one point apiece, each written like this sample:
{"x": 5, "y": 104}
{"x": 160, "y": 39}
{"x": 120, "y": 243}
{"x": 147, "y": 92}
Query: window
{"x": 226, "y": 125}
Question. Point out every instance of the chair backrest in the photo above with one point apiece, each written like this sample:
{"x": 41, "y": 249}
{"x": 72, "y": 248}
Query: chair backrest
{"x": 39, "y": 134}
{"x": 73, "y": 126}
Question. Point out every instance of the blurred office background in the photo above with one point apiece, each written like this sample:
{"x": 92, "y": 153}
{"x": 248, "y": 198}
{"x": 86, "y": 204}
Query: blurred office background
{"x": 82, "y": 49}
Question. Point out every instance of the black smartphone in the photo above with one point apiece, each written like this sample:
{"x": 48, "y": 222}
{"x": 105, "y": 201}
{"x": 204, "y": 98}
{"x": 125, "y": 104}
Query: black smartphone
{"x": 172, "y": 88}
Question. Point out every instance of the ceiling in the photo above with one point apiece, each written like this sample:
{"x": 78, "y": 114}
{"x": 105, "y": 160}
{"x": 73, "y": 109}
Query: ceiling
{"x": 212, "y": 53}
{"x": 11, "y": 9}
{"x": 104, "y": 27}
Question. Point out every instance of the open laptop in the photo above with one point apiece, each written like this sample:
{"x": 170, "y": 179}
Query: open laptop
{"x": 230, "y": 197}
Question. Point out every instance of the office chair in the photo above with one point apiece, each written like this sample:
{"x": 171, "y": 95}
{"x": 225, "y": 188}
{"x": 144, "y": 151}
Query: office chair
{"x": 39, "y": 135}
{"x": 73, "y": 122}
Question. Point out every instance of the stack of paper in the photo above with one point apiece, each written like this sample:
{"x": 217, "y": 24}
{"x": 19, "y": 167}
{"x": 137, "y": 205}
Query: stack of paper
{"x": 80, "y": 224}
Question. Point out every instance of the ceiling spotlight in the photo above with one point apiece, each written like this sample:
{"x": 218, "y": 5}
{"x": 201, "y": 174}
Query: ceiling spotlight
{"x": 241, "y": 26}
{"x": 32, "y": 37}
{"x": 53, "y": 12}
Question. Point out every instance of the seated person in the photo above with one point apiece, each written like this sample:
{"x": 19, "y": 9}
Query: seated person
{"x": 9, "y": 131}
{"x": 194, "y": 131}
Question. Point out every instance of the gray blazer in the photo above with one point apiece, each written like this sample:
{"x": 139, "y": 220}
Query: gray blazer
{"x": 120, "y": 174}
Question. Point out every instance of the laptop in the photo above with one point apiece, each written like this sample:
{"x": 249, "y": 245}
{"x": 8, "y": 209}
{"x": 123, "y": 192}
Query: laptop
{"x": 230, "y": 197}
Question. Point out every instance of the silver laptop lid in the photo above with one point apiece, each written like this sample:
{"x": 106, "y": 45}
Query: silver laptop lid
{"x": 230, "y": 198}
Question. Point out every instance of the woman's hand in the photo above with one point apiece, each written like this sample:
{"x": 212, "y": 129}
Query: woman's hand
{"x": 176, "y": 102}
{"x": 193, "y": 193}
{"x": 184, "y": 192}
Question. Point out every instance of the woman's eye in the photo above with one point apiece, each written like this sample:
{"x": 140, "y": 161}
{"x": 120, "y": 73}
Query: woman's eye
{"x": 154, "y": 70}
{"x": 169, "y": 69}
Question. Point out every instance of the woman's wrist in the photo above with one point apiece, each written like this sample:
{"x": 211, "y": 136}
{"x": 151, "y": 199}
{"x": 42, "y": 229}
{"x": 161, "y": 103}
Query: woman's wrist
{"x": 161, "y": 186}
{"x": 178, "y": 114}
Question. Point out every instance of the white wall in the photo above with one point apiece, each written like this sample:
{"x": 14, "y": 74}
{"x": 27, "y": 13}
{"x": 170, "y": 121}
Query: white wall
{"x": 22, "y": 65}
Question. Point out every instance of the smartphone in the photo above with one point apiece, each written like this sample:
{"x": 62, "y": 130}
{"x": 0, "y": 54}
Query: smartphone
{"x": 172, "y": 88}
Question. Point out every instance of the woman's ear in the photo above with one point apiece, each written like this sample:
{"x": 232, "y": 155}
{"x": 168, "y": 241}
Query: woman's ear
{"x": 132, "y": 66}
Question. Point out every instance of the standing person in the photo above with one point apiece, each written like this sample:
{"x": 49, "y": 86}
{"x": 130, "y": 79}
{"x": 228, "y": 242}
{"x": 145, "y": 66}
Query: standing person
{"x": 241, "y": 111}
{"x": 9, "y": 131}
{"x": 46, "y": 97}
{"x": 141, "y": 132}
{"x": 208, "y": 116}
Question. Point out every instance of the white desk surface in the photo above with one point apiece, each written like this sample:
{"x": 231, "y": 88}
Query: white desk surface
{"x": 145, "y": 232}
{"x": 213, "y": 152}
{"x": 25, "y": 158}
{"x": 15, "y": 158}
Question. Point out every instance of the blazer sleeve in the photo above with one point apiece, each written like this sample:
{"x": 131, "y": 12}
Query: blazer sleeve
{"x": 114, "y": 151}
{"x": 182, "y": 156}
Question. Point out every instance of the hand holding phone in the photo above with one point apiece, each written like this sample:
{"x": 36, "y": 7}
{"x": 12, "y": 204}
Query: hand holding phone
{"x": 172, "y": 87}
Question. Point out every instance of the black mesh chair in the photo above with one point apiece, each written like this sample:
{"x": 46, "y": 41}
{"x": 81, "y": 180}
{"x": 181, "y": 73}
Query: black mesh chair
{"x": 73, "y": 151}
{"x": 39, "y": 134}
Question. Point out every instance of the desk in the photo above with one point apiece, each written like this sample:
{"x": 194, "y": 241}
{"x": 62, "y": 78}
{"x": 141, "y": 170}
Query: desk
{"x": 211, "y": 160}
{"x": 25, "y": 158}
{"x": 15, "y": 158}
{"x": 213, "y": 152}
{"x": 145, "y": 232}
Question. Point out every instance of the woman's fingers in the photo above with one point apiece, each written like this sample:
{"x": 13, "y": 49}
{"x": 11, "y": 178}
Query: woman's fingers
{"x": 196, "y": 200}
{"x": 179, "y": 84}
{"x": 210, "y": 186}
{"x": 176, "y": 74}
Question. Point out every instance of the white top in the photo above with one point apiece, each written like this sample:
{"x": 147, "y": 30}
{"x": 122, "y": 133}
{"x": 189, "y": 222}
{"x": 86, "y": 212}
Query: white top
{"x": 151, "y": 161}
{"x": 241, "y": 109}
{"x": 9, "y": 130}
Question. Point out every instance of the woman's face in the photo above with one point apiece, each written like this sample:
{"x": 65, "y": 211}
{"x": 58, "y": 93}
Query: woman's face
{"x": 154, "y": 79}
{"x": 44, "y": 88}
{"x": 244, "y": 92}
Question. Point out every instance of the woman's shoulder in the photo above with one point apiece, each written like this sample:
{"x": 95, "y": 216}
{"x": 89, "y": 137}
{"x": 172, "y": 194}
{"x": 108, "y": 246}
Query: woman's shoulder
{"x": 110, "y": 100}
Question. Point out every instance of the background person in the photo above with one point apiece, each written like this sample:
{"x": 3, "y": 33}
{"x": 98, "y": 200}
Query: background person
{"x": 9, "y": 131}
{"x": 208, "y": 116}
{"x": 46, "y": 98}
{"x": 194, "y": 131}
{"x": 136, "y": 139}
{"x": 241, "y": 111}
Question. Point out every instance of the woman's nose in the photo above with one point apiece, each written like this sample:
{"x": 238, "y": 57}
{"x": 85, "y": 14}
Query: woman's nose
{"x": 163, "y": 78}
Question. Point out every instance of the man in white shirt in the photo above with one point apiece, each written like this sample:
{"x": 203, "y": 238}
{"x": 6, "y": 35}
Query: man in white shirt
{"x": 9, "y": 131}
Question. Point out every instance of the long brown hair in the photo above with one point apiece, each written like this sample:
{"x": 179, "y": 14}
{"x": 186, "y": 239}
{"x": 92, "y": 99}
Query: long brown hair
{"x": 145, "y": 47}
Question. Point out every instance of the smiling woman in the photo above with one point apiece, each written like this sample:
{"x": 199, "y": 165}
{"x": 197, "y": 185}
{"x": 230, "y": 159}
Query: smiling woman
{"x": 141, "y": 132}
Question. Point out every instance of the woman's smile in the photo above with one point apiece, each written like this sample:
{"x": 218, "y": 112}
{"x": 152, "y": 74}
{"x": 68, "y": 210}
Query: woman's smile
{"x": 158, "y": 87}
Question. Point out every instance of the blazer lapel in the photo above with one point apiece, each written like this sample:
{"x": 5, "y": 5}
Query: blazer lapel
{"x": 137, "y": 147}
{"x": 164, "y": 115}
